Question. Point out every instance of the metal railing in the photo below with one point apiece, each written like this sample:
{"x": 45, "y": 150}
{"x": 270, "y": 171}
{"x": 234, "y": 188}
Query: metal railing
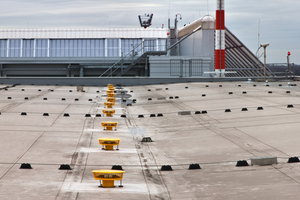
{"x": 129, "y": 56}
{"x": 186, "y": 67}
{"x": 133, "y": 57}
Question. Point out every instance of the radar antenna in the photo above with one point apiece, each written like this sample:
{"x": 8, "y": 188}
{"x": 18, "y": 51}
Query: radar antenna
{"x": 145, "y": 20}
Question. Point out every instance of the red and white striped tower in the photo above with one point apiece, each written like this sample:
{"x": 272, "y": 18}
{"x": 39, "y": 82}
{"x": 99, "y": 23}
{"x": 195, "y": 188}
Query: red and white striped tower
{"x": 220, "y": 39}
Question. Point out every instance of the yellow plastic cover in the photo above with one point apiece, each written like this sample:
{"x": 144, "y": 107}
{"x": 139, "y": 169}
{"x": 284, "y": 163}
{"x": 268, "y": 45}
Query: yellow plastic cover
{"x": 111, "y": 94}
{"x": 108, "y": 111}
{"x": 108, "y": 171}
{"x": 110, "y": 139}
{"x": 109, "y": 103}
{"x": 113, "y": 124}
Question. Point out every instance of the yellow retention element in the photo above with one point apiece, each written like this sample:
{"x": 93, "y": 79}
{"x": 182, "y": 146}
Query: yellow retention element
{"x": 111, "y": 99}
{"x": 108, "y": 112}
{"x": 109, "y": 91}
{"x": 111, "y": 94}
{"x": 109, "y": 104}
{"x": 110, "y": 85}
{"x": 109, "y": 143}
{"x": 108, "y": 177}
{"x": 109, "y": 125}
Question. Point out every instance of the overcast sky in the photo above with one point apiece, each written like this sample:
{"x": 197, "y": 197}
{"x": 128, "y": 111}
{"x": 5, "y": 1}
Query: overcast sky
{"x": 279, "y": 19}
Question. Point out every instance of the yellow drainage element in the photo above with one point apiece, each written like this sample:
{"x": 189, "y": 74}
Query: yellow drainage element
{"x": 109, "y": 91}
{"x": 108, "y": 177}
{"x": 109, "y": 125}
{"x": 109, "y": 104}
{"x": 110, "y": 85}
{"x": 108, "y": 112}
{"x": 109, "y": 143}
{"x": 110, "y": 99}
{"x": 111, "y": 94}
{"x": 112, "y": 89}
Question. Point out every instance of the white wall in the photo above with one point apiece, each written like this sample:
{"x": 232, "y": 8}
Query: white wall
{"x": 200, "y": 44}
{"x": 83, "y": 33}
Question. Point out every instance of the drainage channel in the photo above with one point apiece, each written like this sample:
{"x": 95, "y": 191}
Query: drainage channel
{"x": 156, "y": 186}
{"x": 79, "y": 160}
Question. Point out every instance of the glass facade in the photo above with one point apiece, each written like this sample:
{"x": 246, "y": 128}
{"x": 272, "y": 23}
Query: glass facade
{"x": 14, "y": 48}
{"x": 78, "y": 47}
{"x": 28, "y": 48}
{"x": 113, "y": 48}
{"x": 41, "y": 48}
{"x": 3, "y": 48}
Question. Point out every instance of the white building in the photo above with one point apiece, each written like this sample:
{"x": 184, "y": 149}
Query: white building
{"x": 158, "y": 52}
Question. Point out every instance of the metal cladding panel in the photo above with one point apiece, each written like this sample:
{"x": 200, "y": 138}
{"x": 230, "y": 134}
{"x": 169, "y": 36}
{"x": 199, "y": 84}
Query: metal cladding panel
{"x": 187, "y": 47}
{"x": 207, "y": 43}
{"x": 200, "y": 44}
{"x": 160, "y": 66}
{"x": 82, "y": 33}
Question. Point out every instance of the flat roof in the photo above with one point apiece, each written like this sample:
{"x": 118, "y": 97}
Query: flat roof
{"x": 214, "y": 139}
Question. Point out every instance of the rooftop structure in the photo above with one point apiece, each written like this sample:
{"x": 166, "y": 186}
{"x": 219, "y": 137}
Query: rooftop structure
{"x": 189, "y": 51}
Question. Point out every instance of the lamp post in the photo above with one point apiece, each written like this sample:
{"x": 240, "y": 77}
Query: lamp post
{"x": 288, "y": 62}
{"x": 176, "y": 21}
{"x": 265, "y": 57}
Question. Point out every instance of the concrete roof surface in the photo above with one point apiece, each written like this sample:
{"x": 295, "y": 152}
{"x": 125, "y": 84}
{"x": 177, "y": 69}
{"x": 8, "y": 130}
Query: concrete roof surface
{"x": 215, "y": 140}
